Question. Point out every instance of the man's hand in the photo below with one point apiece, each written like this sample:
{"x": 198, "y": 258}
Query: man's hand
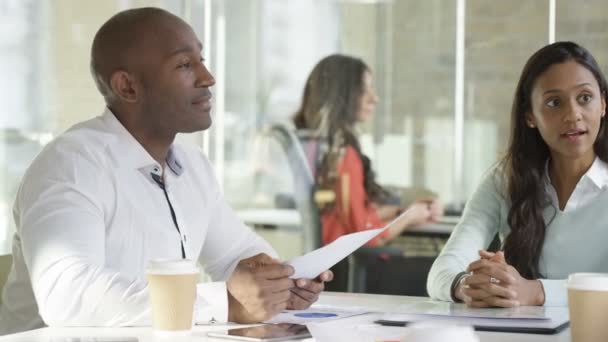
{"x": 494, "y": 283}
{"x": 258, "y": 289}
{"x": 307, "y": 291}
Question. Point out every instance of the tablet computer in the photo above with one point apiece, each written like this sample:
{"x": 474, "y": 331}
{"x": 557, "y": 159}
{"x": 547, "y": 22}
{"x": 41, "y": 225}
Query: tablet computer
{"x": 265, "y": 333}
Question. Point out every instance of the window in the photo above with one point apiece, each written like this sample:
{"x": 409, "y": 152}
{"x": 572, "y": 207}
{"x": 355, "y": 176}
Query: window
{"x": 46, "y": 85}
{"x": 445, "y": 72}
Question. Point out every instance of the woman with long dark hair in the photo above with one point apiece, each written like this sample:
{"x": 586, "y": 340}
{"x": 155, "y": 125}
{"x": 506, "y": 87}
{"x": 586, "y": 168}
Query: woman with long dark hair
{"x": 546, "y": 199}
{"x": 338, "y": 94}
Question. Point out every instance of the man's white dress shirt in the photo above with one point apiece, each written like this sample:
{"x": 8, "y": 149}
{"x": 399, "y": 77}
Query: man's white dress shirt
{"x": 576, "y": 238}
{"x": 90, "y": 216}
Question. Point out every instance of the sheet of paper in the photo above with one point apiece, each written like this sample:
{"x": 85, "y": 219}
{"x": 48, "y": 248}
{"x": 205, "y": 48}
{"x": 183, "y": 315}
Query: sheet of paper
{"x": 355, "y": 329}
{"x": 438, "y": 308}
{"x": 310, "y": 265}
{"x": 316, "y": 313}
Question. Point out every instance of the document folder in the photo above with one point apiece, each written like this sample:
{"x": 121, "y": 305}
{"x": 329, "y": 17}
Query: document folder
{"x": 525, "y": 319}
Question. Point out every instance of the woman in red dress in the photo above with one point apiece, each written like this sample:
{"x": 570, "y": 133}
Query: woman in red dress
{"x": 338, "y": 94}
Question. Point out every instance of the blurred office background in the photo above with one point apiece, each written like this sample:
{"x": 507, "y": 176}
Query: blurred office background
{"x": 445, "y": 71}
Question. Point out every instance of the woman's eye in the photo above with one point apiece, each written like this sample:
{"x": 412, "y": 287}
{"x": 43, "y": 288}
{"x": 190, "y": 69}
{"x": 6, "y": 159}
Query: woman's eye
{"x": 585, "y": 98}
{"x": 553, "y": 103}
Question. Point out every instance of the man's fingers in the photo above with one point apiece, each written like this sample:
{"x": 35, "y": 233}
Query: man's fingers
{"x": 305, "y": 293}
{"x": 270, "y": 287}
{"x": 326, "y": 276}
{"x": 260, "y": 259}
{"x": 301, "y": 299}
{"x": 308, "y": 283}
{"x": 275, "y": 308}
{"x": 274, "y": 271}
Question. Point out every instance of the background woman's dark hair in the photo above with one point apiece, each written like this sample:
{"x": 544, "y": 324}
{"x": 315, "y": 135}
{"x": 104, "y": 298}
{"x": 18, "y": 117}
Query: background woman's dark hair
{"x": 524, "y": 163}
{"x": 329, "y": 107}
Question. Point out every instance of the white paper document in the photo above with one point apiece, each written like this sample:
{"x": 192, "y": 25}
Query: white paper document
{"x": 310, "y": 265}
{"x": 355, "y": 329}
{"x": 316, "y": 313}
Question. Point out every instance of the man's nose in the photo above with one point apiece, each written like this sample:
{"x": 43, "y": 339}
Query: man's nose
{"x": 204, "y": 77}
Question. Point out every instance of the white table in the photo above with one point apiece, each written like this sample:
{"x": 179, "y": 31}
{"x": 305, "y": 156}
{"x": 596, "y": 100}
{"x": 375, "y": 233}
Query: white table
{"x": 290, "y": 219}
{"x": 287, "y": 218}
{"x": 373, "y": 302}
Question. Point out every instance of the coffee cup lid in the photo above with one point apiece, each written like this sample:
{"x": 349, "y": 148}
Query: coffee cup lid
{"x": 431, "y": 331}
{"x": 172, "y": 266}
{"x": 588, "y": 281}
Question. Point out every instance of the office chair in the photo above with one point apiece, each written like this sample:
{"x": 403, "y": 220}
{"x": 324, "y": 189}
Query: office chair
{"x": 382, "y": 270}
{"x": 304, "y": 184}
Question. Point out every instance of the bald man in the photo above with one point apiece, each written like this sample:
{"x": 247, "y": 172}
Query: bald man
{"x": 114, "y": 192}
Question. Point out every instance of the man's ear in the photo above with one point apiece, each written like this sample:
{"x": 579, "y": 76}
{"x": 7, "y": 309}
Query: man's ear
{"x": 124, "y": 86}
{"x": 530, "y": 122}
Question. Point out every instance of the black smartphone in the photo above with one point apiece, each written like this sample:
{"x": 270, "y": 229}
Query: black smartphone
{"x": 265, "y": 333}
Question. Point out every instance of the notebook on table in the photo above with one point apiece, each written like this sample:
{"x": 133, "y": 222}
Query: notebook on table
{"x": 525, "y": 319}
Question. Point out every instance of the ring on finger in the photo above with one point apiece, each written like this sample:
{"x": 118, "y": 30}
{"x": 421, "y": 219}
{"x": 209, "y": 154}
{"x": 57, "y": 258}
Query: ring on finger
{"x": 494, "y": 280}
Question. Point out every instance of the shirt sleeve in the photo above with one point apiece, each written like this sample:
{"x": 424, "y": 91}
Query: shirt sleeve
{"x": 227, "y": 242}
{"x": 60, "y": 220}
{"x": 211, "y": 303}
{"x": 479, "y": 224}
{"x": 361, "y": 213}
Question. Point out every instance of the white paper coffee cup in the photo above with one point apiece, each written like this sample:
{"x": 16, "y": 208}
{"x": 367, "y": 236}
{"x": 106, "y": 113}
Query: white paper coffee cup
{"x": 588, "y": 306}
{"x": 172, "y": 286}
{"x": 433, "y": 331}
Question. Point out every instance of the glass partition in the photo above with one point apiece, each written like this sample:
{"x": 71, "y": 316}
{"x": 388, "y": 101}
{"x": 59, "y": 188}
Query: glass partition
{"x": 445, "y": 72}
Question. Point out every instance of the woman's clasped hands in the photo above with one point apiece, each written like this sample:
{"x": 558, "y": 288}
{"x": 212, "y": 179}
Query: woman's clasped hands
{"x": 492, "y": 282}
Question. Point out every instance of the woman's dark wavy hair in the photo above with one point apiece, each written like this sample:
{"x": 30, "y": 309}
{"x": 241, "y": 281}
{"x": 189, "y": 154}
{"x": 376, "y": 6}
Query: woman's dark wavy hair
{"x": 329, "y": 106}
{"x": 524, "y": 163}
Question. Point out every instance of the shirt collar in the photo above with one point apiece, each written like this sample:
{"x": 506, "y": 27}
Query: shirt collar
{"x": 597, "y": 174}
{"x": 129, "y": 151}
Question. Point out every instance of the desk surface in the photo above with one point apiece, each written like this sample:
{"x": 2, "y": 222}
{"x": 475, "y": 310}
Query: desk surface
{"x": 290, "y": 218}
{"x": 270, "y": 217}
{"x": 373, "y": 302}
